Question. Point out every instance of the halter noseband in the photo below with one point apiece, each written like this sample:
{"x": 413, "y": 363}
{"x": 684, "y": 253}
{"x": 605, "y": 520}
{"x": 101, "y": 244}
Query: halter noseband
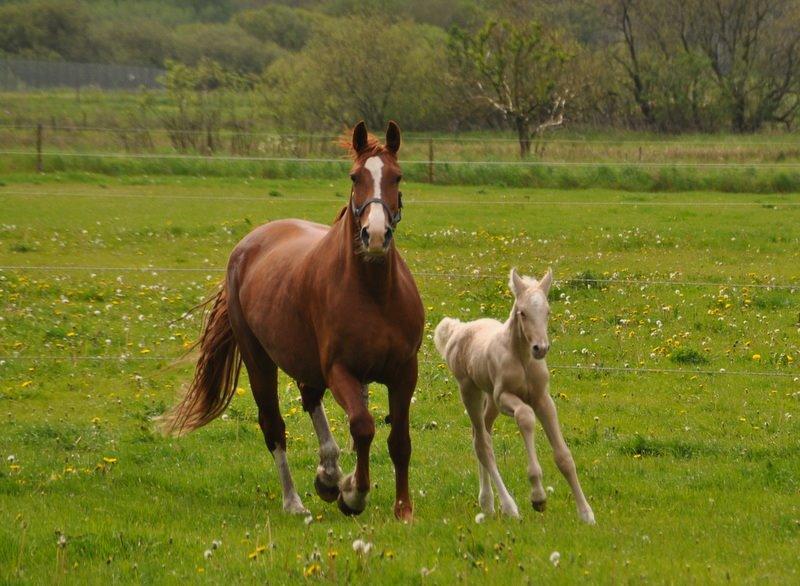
{"x": 394, "y": 218}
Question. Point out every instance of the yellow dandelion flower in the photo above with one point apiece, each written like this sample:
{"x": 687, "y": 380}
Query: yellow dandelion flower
{"x": 239, "y": 391}
{"x": 312, "y": 570}
{"x": 756, "y": 357}
{"x": 27, "y": 383}
{"x": 109, "y": 460}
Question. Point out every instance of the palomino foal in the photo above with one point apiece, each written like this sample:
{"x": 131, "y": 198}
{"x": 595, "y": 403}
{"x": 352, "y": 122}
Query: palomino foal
{"x": 500, "y": 368}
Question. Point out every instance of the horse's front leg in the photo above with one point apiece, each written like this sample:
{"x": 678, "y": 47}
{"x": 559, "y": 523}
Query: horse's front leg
{"x": 326, "y": 482}
{"x": 546, "y": 411}
{"x": 350, "y": 394}
{"x": 400, "y": 392}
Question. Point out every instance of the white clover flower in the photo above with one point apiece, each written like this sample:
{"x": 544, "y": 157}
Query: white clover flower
{"x": 555, "y": 558}
{"x": 207, "y": 554}
{"x": 479, "y": 518}
{"x": 216, "y": 544}
{"x": 308, "y": 520}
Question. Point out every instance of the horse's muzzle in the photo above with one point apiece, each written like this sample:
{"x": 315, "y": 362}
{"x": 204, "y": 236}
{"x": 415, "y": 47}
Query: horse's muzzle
{"x": 365, "y": 241}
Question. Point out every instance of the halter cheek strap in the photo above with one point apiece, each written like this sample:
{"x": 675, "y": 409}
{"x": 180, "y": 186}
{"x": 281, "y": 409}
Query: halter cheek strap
{"x": 394, "y": 218}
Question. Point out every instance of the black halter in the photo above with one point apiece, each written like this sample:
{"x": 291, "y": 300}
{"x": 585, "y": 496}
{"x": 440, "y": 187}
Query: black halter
{"x": 394, "y": 218}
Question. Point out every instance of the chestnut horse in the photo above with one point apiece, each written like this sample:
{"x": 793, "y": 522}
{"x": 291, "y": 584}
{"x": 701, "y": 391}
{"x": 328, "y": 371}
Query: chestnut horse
{"x": 334, "y": 307}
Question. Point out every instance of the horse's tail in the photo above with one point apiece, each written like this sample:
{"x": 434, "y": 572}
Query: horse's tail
{"x": 443, "y": 332}
{"x": 215, "y": 376}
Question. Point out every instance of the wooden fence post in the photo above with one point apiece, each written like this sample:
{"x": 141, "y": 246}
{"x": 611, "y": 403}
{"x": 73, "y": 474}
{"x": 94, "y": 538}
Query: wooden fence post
{"x": 430, "y": 160}
{"x": 39, "y": 164}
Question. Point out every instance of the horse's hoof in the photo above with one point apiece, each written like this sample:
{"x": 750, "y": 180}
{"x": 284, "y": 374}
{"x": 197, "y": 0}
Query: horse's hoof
{"x": 325, "y": 492}
{"x": 539, "y": 505}
{"x": 403, "y": 512}
{"x": 345, "y": 508}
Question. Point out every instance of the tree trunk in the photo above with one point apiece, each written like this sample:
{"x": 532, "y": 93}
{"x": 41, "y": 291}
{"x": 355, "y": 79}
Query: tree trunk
{"x": 524, "y": 136}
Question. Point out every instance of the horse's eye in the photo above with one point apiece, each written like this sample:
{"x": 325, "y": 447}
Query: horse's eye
{"x": 399, "y": 179}
{"x": 353, "y": 177}
{"x": 522, "y": 314}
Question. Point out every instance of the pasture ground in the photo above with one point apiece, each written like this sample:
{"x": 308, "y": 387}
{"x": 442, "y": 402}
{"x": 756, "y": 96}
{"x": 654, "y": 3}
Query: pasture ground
{"x": 693, "y": 477}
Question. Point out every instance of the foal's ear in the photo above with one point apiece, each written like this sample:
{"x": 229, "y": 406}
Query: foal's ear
{"x": 515, "y": 283}
{"x": 360, "y": 138}
{"x": 546, "y": 281}
{"x": 393, "y": 137}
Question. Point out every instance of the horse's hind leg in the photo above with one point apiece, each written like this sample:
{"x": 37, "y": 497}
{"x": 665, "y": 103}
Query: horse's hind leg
{"x": 264, "y": 383}
{"x": 329, "y": 474}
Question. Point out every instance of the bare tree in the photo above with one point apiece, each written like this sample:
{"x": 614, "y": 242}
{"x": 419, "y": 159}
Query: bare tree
{"x": 686, "y": 59}
{"x": 516, "y": 69}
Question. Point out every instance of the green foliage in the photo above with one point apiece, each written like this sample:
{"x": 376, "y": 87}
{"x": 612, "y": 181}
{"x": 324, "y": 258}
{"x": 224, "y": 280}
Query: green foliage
{"x": 373, "y": 70}
{"x": 516, "y": 68}
{"x": 49, "y": 29}
{"x": 227, "y": 44}
{"x": 206, "y": 102}
{"x": 286, "y": 27}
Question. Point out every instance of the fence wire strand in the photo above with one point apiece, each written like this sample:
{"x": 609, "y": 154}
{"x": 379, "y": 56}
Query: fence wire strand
{"x": 438, "y": 162}
{"x": 426, "y": 274}
{"x": 441, "y": 364}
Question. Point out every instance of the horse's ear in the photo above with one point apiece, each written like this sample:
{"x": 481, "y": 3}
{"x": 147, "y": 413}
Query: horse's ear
{"x": 393, "y": 137}
{"x": 515, "y": 283}
{"x": 546, "y": 281}
{"x": 360, "y": 138}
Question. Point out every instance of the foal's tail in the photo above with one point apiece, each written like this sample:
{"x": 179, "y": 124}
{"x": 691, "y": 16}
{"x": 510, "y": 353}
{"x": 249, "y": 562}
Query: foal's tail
{"x": 215, "y": 376}
{"x": 443, "y": 332}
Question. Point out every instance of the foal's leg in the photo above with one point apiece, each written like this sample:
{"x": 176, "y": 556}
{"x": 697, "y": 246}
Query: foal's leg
{"x": 512, "y": 405}
{"x": 486, "y": 494}
{"x": 400, "y": 392}
{"x": 546, "y": 410}
{"x": 329, "y": 474}
{"x": 351, "y": 395}
{"x": 473, "y": 401}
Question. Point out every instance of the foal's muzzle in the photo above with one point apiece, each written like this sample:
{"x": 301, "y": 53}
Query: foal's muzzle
{"x": 539, "y": 351}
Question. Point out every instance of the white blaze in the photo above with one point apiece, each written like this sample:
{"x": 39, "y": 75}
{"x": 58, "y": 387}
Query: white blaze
{"x": 376, "y": 221}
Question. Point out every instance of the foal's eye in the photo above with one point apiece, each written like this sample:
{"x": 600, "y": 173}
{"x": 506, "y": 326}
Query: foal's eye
{"x": 353, "y": 177}
{"x": 522, "y": 314}
{"x": 398, "y": 180}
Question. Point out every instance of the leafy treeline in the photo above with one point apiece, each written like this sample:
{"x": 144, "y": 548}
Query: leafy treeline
{"x": 666, "y": 65}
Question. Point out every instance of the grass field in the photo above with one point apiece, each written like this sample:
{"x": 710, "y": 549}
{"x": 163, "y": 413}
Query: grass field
{"x": 693, "y": 477}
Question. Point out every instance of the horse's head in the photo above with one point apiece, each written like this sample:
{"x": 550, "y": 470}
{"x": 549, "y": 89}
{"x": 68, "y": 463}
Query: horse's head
{"x": 531, "y": 309}
{"x": 376, "y": 199}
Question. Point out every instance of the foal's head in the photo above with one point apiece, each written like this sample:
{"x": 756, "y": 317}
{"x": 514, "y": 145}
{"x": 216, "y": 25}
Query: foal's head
{"x": 531, "y": 310}
{"x": 375, "y": 200}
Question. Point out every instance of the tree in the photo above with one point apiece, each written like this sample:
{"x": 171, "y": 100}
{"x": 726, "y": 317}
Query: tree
{"x": 226, "y": 44}
{"x": 693, "y": 63}
{"x": 358, "y": 69}
{"x": 516, "y": 69}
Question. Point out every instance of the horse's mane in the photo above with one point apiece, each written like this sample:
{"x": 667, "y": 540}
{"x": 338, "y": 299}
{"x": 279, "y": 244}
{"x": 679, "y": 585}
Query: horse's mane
{"x": 374, "y": 146}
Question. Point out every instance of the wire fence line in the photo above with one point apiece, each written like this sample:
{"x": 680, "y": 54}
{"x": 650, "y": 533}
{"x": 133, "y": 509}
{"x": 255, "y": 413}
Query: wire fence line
{"x": 411, "y": 137}
{"x": 426, "y": 274}
{"x": 439, "y": 162}
{"x": 482, "y": 202}
{"x": 440, "y": 364}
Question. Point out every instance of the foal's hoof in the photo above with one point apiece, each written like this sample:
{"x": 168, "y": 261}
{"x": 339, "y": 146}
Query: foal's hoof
{"x": 325, "y": 492}
{"x": 539, "y": 505}
{"x": 345, "y": 508}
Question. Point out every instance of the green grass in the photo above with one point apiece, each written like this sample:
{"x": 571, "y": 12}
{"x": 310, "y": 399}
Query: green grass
{"x": 693, "y": 477}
